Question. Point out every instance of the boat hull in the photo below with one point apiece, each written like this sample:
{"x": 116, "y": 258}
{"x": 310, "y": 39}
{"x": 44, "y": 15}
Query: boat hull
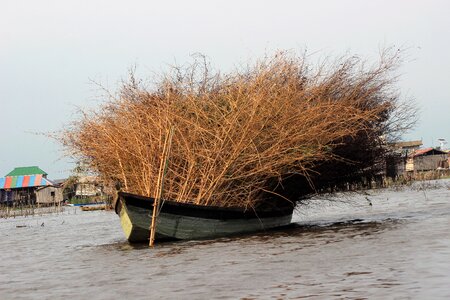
{"x": 187, "y": 221}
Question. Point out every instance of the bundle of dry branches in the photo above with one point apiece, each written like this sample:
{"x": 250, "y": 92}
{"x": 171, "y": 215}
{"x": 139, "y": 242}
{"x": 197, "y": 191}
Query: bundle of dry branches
{"x": 234, "y": 135}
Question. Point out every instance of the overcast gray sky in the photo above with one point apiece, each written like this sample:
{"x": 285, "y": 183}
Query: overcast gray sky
{"x": 50, "y": 50}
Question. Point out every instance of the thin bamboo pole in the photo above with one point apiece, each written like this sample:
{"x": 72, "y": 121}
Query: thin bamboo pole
{"x": 159, "y": 185}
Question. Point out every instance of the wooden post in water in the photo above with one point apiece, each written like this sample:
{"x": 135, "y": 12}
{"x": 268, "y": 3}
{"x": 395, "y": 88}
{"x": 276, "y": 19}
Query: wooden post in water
{"x": 160, "y": 183}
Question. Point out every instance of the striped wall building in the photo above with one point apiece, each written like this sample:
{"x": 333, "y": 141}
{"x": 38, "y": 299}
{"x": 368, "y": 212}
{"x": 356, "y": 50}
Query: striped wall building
{"x": 20, "y": 185}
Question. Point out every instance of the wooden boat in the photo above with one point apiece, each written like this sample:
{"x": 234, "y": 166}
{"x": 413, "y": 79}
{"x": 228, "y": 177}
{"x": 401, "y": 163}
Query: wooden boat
{"x": 189, "y": 221}
{"x": 93, "y": 207}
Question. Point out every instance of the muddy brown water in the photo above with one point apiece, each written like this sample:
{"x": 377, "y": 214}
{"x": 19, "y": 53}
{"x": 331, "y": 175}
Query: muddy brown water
{"x": 338, "y": 247}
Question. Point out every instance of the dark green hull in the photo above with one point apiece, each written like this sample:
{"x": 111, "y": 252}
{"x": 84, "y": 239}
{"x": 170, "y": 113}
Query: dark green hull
{"x": 187, "y": 221}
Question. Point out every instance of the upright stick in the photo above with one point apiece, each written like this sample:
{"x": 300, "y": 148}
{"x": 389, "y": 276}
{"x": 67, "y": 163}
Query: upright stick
{"x": 159, "y": 185}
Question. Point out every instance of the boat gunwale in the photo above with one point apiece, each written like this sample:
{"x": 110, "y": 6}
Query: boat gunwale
{"x": 201, "y": 211}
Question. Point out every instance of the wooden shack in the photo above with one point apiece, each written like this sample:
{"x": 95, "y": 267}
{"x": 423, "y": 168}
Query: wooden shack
{"x": 88, "y": 186}
{"x": 49, "y": 195}
{"x": 428, "y": 159}
{"x": 397, "y": 159}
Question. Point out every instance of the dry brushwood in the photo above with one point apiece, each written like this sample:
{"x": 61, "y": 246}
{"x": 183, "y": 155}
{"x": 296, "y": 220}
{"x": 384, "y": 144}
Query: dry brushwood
{"x": 237, "y": 136}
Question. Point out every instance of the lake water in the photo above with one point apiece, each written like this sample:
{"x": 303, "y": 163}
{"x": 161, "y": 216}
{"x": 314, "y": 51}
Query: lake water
{"x": 340, "y": 247}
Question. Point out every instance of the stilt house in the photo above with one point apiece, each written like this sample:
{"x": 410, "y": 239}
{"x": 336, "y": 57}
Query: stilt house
{"x": 20, "y": 185}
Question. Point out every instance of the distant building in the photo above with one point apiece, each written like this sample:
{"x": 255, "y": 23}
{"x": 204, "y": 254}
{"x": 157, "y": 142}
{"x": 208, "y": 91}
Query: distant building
{"x": 427, "y": 159}
{"x": 88, "y": 186}
{"x": 20, "y": 185}
{"x": 49, "y": 195}
{"x": 408, "y": 147}
{"x": 400, "y": 151}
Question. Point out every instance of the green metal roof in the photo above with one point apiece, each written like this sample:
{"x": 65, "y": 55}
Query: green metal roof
{"x": 33, "y": 170}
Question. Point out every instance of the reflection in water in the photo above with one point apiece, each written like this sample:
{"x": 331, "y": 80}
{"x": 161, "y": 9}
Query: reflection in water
{"x": 398, "y": 248}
